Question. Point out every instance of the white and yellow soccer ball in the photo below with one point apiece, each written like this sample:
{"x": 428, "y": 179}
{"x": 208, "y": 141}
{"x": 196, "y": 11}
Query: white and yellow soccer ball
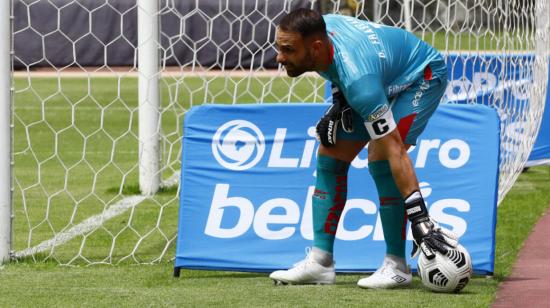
{"x": 446, "y": 273}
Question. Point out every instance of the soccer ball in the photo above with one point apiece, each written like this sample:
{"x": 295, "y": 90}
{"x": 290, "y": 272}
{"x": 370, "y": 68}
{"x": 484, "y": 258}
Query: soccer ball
{"x": 446, "y": 273}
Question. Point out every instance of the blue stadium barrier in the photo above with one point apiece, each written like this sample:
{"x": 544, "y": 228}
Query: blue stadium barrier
{"x": 248, "y": 173}
{"x": 540, "y": 155}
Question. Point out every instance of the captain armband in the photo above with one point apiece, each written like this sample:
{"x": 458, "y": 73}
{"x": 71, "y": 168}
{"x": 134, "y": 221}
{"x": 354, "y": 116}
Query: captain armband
{"x": 380, "y": 122}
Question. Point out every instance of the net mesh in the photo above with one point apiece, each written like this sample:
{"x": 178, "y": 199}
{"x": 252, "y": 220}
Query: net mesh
{"x": 76, "y": 195}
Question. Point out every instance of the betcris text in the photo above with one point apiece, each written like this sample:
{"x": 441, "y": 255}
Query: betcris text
{"x": 239, "y": 145}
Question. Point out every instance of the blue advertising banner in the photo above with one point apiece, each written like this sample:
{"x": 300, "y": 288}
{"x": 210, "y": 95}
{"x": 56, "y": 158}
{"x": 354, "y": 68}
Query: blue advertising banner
{"x": 477, "y": 78}
{"x": 248, "y": 174}
{"x": 540, "y": 155}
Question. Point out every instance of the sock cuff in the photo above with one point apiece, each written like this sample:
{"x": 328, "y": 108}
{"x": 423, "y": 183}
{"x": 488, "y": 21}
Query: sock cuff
{"x": 379, "y": 167}
{"x": 332, "y": 164}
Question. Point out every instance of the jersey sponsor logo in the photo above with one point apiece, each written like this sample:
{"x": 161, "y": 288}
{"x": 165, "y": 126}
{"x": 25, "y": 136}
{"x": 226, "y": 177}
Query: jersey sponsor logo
{"x": 396, "y": 89}
{"x": 238, "y": 145}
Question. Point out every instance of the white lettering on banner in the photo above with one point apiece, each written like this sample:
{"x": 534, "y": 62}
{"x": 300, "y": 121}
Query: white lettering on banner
{"x": 219, "y": 202}
{"x": 309, "y": 149}
{"x": 458, "y": 225}
{"x": 239, "y": 145}
{"x": 262, "y": 218}
{"x": 463, "y": 150}
{"x": 360, "y": 163}
{"x": 368, "y": 207}
{"x": 485, "y": 83}
{"x": 275, "y": 159}
{"x": 445, "y": 158}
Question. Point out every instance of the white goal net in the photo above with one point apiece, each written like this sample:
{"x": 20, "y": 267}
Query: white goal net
{"x": 81, "y": 93}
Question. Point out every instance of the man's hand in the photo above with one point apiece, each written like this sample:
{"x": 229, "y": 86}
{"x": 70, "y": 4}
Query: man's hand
{"x": 338, "y": 113}
{"x": 428, "y": 235}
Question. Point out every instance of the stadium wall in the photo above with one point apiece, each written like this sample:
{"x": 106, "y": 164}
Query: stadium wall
{"x": 104, "y": 33}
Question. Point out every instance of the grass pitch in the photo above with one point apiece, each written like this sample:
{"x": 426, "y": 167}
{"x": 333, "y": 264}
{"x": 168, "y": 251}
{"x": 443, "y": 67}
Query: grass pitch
{"x": 75, "y": 155}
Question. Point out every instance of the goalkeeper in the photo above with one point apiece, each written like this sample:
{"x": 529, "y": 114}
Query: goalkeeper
{"x": 386, "y": 85}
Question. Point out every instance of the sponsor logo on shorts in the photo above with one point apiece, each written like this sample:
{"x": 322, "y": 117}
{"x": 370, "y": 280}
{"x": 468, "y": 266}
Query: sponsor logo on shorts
{"x": 418, "y": 95}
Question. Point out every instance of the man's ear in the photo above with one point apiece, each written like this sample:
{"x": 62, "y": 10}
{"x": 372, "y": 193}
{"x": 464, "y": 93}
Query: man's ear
{"x": 316, "y": 46}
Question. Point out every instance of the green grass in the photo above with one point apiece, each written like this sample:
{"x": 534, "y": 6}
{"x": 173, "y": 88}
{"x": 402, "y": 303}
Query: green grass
{"x": 87, "y": 164}
{"x": 47, "y": 284}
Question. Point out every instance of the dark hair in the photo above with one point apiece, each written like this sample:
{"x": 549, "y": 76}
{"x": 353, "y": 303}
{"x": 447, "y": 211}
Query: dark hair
{"x": 304, "y": 21}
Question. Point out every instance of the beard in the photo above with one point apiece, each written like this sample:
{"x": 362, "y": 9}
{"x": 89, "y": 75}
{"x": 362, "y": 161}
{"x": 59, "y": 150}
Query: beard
{"x": 305, "y": 65}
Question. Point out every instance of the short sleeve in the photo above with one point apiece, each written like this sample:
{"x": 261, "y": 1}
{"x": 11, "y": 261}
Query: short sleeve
{"x": 366, "y": 95}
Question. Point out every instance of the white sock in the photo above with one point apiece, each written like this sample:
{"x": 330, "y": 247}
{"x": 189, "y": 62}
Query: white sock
{"x": 400, "y": 262}
{"x": 322, "y": 257}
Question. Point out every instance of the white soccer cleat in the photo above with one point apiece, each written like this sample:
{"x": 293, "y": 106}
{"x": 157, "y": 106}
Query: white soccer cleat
{"x": 386, "y": 277}
{"x": 307, "y": 271}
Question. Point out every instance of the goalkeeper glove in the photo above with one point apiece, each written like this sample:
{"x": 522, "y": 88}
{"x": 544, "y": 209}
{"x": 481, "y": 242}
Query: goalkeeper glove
{"x": 428, "y": 236}
{"x": 338, "y": 113}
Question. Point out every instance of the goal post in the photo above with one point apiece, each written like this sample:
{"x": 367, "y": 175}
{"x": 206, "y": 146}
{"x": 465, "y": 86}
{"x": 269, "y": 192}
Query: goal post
{"x": 149, "y": 96}
{"x": 5, "y": 131}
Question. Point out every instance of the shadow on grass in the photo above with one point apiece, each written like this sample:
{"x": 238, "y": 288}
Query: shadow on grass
{"x": 129, "y": 190}
{"x": 36, "y": 259}
{"x": 189, "y": 273}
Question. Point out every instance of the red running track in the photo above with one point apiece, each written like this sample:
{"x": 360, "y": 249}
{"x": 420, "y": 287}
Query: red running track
{"x": 529, "y": 284}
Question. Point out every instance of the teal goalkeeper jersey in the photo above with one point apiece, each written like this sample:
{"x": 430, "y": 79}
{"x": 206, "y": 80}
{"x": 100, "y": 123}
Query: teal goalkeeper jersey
{"x": 373, "y": 63}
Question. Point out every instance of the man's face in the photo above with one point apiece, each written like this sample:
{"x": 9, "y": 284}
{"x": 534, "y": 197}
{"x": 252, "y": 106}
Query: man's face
{"x": 293, "y": 53}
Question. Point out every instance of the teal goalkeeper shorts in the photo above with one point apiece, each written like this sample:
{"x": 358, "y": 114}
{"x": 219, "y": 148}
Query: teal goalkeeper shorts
{"x": 411, "y": 108}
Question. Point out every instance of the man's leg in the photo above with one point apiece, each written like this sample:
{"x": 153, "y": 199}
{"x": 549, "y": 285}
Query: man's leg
{"x": 394, "y": 271}
{"x": 330, "y": 194}
{"x": 328, "y": 203}
{"x": 392, "y": 210}
{"x": 329, "y": 199}
{"x": 412, "y": 110}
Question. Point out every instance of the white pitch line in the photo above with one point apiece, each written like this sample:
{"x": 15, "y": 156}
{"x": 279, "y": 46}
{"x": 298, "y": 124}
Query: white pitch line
{"x": 83, "y": 227}
{"x": 93, "y": 222}
{"x": 173, "y": 180}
